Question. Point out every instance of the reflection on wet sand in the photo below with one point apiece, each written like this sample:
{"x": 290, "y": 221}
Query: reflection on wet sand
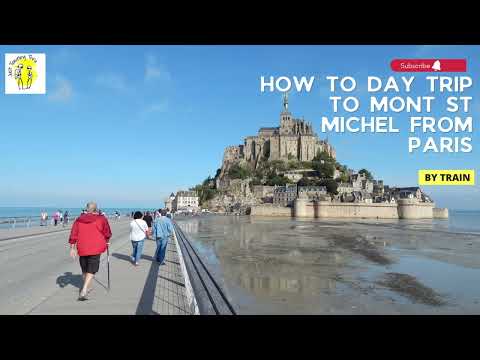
{"x": 331, "y": 266}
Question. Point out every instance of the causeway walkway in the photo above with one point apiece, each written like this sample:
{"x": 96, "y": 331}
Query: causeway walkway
{"x": 40, "y": 278}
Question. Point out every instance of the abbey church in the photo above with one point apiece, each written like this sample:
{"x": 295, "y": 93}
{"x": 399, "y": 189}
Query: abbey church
{"x": 294, "y": 139}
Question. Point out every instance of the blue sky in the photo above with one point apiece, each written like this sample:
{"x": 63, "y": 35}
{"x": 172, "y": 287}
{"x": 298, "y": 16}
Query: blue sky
{"x": 127, "y": 125}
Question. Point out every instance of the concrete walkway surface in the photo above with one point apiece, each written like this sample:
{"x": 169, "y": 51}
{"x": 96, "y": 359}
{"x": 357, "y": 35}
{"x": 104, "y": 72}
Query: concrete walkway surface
{"x": 149, "y": 289}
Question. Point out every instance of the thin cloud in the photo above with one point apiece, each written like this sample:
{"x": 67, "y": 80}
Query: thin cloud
{"x": 63, "y": 90}
{"x": 155, "y": 70}
{"x": 432, "y": 50}
{"x": 62, "y": 55}
{"x": 159, "y": 107}
{"x": 112, "y": 81}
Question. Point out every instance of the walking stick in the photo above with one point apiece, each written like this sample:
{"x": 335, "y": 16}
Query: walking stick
{"x": 108, "y": 266}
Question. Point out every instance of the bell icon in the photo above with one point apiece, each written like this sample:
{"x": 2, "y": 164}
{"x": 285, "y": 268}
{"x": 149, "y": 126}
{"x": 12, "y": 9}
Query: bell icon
{"x": 436, "y": 66}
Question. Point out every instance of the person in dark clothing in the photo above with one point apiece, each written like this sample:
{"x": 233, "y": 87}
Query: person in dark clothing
{"x": 148, "y": 219}
{"x": 65, "y": 218}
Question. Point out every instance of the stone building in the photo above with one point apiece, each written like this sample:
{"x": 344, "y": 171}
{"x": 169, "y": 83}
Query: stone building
{"x": 169, "y": 201}
{"x": 312, "y": 192}
{"x": 378, "y": 188}
{"x": 360, "y": 182}
{"x": 284, "y": 195}
{"x": 294, "y": 139}
{"x": 413, "y": 192}
{"x": 186, "y": 200}
{"x": 345, "y": 188}
{"x": 297, "y": 175}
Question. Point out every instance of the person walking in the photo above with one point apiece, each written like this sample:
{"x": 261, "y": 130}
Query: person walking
{"x": 138, "y": 234}
{"x": 162, "y": 230}
{"x": 56, "y": 218}
{"x": 89, "y": 238}
{"x": 43, "y": 218}
{"x": 65, "y": 218}
{"x": 148, "y": 219}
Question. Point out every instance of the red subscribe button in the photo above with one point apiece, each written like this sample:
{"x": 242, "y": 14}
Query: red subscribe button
{"x": 429, "y": 65}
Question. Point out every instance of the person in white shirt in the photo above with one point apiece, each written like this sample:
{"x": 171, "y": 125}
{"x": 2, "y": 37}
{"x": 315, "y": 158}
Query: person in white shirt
{"x": 138, "y": 233}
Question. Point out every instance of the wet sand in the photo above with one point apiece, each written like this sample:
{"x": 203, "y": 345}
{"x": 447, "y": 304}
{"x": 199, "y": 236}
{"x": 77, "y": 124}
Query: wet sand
{"x": 292, "y": 266}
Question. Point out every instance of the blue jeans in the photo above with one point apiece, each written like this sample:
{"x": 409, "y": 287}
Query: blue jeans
{"x": 137, "y": 250}
{"x": 161, "y": 249}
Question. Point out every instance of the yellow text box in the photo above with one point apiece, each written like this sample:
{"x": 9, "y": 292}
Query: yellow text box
{"x": 446, "y": 177}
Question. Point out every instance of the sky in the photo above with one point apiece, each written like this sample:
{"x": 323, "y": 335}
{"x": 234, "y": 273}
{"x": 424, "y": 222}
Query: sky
{"x": 128, "y": 125}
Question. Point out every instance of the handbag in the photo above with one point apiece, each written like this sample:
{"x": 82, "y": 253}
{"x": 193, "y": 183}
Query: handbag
{"x": 144, "y": 231}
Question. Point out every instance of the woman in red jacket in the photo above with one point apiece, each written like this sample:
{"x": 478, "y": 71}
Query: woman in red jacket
{"x": 90, "y": 235}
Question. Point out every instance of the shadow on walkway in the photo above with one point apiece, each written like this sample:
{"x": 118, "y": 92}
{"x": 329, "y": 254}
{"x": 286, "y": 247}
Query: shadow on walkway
{"x": 145, "y": 306}
{"x": 122, "y": 257}
{"x": 69, "y": 279}
{"x": 129, "y": 259}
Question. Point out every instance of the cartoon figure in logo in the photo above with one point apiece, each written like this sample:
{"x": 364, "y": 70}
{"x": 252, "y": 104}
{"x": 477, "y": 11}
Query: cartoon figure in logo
{"x": 29, "y": 75}
{"x": 18, "y": 76}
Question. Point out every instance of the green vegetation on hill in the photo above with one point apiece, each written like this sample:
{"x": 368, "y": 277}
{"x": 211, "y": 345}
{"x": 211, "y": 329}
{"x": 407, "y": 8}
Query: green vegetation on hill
{"x": 238, "y": 171}
{"x": 325, "y": 165}
{"x": 278, "y": 180}
{"x": 322, "y": 171}
{"x": 269, "y": 173}
{"x": 367, "y": 173}
{"x": 272, "y": 172}
{"x": 206, "y": 190}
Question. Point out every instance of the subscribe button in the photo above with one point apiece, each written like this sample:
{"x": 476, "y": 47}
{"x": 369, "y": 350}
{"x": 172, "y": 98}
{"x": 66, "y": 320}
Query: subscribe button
{"x": 429, "y": 65}
{"x": 446, "y": 177}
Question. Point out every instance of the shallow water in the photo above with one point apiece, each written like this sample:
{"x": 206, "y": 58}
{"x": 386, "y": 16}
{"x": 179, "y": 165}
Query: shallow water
{"x": 292, "y": 266}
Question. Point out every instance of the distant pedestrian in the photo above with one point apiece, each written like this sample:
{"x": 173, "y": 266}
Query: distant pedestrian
{"x": 148, "y": 219}
{"x": 56, "y": 218}
{"x": 43, "y": 218}
{"x": 60, "y": 213}
{"x": 162, "y": 231}
{"x": 65, "y": 218}
{"x": 138, "y": 234}
{"x": 90, "y": 235}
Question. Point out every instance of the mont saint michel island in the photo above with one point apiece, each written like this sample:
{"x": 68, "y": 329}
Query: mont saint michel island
{"x": 289, "y": 171}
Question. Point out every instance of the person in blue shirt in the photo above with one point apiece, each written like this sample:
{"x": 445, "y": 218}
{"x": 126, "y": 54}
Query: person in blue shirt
{"x": 162, "y": 231}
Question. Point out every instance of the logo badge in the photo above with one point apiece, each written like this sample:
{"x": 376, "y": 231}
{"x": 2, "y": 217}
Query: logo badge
{"x": 25, "y": 74}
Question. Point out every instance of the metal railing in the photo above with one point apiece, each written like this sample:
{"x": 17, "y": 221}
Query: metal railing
{"x": 29, "y": 221}
{"x": 14, "y": 222}
{"x": 209, "y": 296}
